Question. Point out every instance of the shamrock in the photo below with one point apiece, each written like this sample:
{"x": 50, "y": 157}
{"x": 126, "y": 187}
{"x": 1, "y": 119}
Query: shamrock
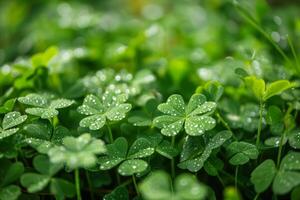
{"x": 42, "y": 137}
{"x": 43, "y": 107}
{"x": 196, "y": 163}
{"x": 9, "y": 173}
{"x": 284, "y": 179}
{"x": 77, "y": 152}
{"x": 35, "y": 182}
{"x": 157, "y": 186}
{"x": 195, "y": 116}
{"x": 241, "y": 152}
{"x": 11, "y": 120}
{"x": 111, "y": 107}
{"x": 131, "y": 162}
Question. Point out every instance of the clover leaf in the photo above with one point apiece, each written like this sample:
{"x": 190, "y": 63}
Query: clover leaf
{"x": 284, "y": 179}
{"x": 196, "y": 163}
{"x": 77, "y": 152}
{"x": 131, "y": 162}
{"x": 9, "y": 173}
{"x": 110, "y": 106}
{"x": 292, "y": 137}
{"x": 35, "y": 182}
{"x": 241, "y": 152}
{"x": 9, "y": 121}
{"x": 42, "y": 106}
{"x": 119, "y": 193}
{"x": 194, "y": 116}
{"x": 157, "y": 186}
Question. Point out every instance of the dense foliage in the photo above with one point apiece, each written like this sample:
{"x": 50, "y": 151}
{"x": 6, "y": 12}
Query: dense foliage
{"x": 154, "y": 100}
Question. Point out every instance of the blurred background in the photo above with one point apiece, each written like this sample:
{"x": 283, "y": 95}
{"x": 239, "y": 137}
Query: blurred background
{"x": 194, "y": 40}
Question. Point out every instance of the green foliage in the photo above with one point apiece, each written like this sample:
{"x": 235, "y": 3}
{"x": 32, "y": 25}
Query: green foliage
{"x": 157, "y": 186}
{"x": 9, "y": 121}
{"x": 194, "y": 116}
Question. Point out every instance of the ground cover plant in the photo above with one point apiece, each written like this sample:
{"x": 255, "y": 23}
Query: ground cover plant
{"x": 149, "y": 100}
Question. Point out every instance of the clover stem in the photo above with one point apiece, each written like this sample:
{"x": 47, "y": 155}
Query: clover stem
{"x": 261, "y": 108}
{"x": 256, "y": 196}
{"x": 172, "y": 160}
{"x": 77, "y": 184}
{"x": 111, "y": 139}
{"x": 280, "y": 148}
{"x": 135, "y": 185}
{"x": 89, "y": 184}
{"x": 225, "y": 124}
{"x": 236, "y": 177}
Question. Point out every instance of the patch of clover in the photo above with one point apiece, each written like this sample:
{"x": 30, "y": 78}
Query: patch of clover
{"x": 110, "y": 106}
{"x": 77, "y": 152}
{"x": 131, "y": 162}
{"x": 194, "y": 116}
{"x": 42, "y": 106}
{"x": 9, "y": 123}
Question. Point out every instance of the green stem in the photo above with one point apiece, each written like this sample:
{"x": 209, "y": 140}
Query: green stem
{"x": 280, "y": 148}
{"x": 236, "y": 177}
{"x": 294, "y": 53}
{"x": 256, "y": 196}
{"x": 221, "y": 181}
{"x": 172, "y": 160}
{"x": 135, "y": 185}
{"x": 77, "y": 184}
{"x": 111, "y": 139}
{"x": 89, "y": 184}
{"x": 261, "y": 108}
{"x": 225, "y": 124}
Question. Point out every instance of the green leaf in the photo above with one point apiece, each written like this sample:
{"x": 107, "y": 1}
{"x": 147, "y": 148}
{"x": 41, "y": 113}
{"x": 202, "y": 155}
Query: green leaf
{"x": 274, "y": 141}
{"x": 285, "y": 181}
{"x": 60, "y": 103}
{"x": 194, "y": 115}
{"x": 11, "y": 192}
{"x": 34, "y": 182}
{"x": 276, "y": 88}
{"x": 7, "y": 133}
{"x": 77, "y": 152}
{"x": 34, "y": 100}
{"x": 241, "y": 152}
{"x": 257, "y": 86}
{"x": 12, "y": 119}
{"x": 62, "y": 188}
{"x": 263, "y": 175}
{"x": 130, "y": 167}
{"x": 195, "y": 164}
{"x": 13, "y": 173}
{"x": 290, "y": 162}
{"x": 42, "y": 164}
{"x": 187, "y": 187}
{"x": 140, "y": 148}
{"x": 112, "y": 107}
{"x": 42, "y": 59}
{"x": 7, "y": 106}
{"x": 294, "y": 139}
{"x": 166, "y": 149}
{"x": 213, "y": 90}
{"x": 119, "y": 193}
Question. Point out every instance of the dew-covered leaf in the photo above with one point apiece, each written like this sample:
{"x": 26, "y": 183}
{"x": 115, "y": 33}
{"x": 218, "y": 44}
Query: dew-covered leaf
{"x": 140, "y": 148}
{"x": 60, "y": 103}
{"x": 94, "y": 122}
{"x": 195, "y": 101}
{"x": 118, "y": 112}
{"x": 291, "y": 162}
{"x": 12, "y": 119}
{"x": 241, "y": 152}
{"x": 197, "y": 125}
{"x": 174, "y": 106}
{"x": 285, "y": 181}
{"x": 7, "y": 133}
{"x": 294, "y": 139}
{"x": 133, "y": 166}
{"x": 263, "y": 175}
{"x": 274, "y": 141}
{"x": 34, "y": 100}
{"x": 170, "y": 125}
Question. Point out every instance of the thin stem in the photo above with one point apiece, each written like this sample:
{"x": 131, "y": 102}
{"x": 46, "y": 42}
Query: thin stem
{"x": 236, "y": 177}
{"x": 77, "y": 184}
{"x": 294, "y": 52}
{"x": 280, "y": 148}
{"x": 256, "y": 196}
{"x": 89, "y": 184}
{"x": 221, "y": 181}
{"x": 225, "y": 124}
{"x": 135, "y": 185}
{"x": 261, "y": 108}
{"x": 111, "y": 139}
{"x": 172, "y": 160}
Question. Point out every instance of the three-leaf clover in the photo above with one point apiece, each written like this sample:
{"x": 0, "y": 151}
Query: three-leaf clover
{"x": 157, "y": 186}
{"x": 241, "y": 152}
{"x": 194, "y": 116}
{"x": 131, "y": 159}
{"x": 195, "y": 163}
{"x": 35, "y": 182}
{"x": 9, "y": 121}
{"x": 9, "y": 173}
{"x": 110, "y": 106}
{"x": 284, "y": 179}
{"x": 77, "y": 152}
{"x": 42, "y": 106}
